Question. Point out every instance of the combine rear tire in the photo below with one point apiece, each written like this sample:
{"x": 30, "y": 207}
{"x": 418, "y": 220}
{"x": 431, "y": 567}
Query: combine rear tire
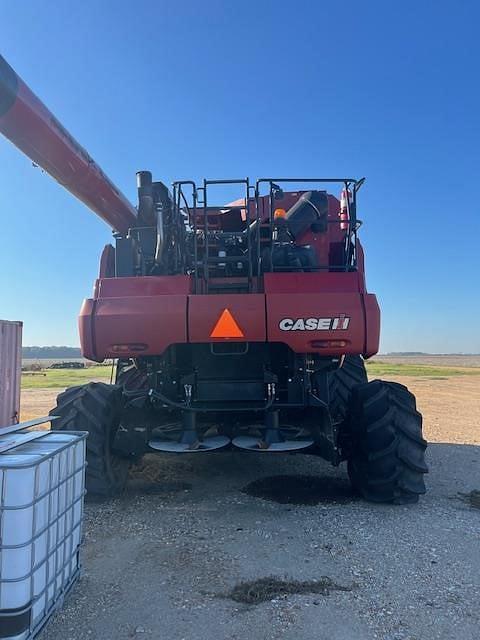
{"x": 95, "y": 408}
{"x": 387, "y": 455}
{"x": 130, "y": 377}
{"x": 340, "y": 385}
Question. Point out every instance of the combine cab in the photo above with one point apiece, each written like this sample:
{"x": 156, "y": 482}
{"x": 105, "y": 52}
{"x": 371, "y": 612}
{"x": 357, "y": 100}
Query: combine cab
{"x": 239, "y": 325}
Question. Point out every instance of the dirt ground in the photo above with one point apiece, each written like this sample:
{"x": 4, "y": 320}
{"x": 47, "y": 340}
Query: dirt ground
{"x": 36, "y": 403}
{"x": 450, "y": 407}
{"x": 201, "y": 547}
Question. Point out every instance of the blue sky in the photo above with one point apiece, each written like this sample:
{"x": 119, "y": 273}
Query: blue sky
{"x": 385, "y": 90}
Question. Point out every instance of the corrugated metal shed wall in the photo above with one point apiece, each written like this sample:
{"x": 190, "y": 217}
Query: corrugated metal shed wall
{"x": 10, "y": 371}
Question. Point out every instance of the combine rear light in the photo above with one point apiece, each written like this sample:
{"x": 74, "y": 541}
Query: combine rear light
{"x": 329, "y": 344}
{"x": 279, "y": 213}
{"x": 125, "y": 348}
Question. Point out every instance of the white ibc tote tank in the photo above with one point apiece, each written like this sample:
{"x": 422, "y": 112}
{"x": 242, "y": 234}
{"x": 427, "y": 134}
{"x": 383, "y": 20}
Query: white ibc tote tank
{"x": 42, "y": 486}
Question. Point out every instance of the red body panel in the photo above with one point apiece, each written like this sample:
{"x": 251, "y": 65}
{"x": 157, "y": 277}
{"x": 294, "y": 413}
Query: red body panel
{"x": 132, "y": 326}
{"x": 248, "y": 311}
{"x": 145, "y": 315}
{"x": 134, "y": 316}
{"x": 372, "y": 325}
{"x": 329, "y": 305}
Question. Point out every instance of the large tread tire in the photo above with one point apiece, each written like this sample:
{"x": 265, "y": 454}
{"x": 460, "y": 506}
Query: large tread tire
{"x": 341, "y": 383}
{"x": 95, "y": 408}
{"x": 387, "y": 450}
{"x": 130, "y": 377}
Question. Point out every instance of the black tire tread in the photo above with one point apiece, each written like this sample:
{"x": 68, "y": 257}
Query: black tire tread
{"x": 341, "y": 382}
{"x": 130, "y": 377}
{"x": 387, "y": 454}
{"x": 95, "y": 408}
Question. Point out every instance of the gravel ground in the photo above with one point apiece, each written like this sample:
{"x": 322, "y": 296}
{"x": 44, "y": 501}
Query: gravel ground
{"x": 162, "y": 560}
{"x": 169, "y": 558}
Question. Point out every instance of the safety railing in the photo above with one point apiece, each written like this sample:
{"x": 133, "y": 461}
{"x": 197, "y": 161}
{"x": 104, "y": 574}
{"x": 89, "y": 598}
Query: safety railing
{"x": 194, "y": 201}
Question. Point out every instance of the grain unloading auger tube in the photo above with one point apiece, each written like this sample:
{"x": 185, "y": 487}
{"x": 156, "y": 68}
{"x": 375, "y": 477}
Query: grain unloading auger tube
{"x": 27, "y": 122}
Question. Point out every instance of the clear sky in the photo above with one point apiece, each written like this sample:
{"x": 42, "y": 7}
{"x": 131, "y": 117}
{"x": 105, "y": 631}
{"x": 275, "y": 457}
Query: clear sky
{"x": 386, "y": 90}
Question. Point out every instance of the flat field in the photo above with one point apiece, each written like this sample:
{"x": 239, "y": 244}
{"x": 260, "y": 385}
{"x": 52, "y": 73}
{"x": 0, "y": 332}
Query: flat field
{"x": 40, "y": 389}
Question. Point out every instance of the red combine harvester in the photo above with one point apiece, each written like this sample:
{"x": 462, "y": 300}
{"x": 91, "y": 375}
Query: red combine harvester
{"x": 242, "y": 325}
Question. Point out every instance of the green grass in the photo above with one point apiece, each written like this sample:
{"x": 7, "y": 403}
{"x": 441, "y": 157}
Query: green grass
{"x": 62, "y": 378}
{"x": 379, "y": 369}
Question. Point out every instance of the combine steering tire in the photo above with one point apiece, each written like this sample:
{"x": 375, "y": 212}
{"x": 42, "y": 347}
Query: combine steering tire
{"x": 341, "y": 382}
{"x": 387, "y": 455}
{"x": 95, "y": 408}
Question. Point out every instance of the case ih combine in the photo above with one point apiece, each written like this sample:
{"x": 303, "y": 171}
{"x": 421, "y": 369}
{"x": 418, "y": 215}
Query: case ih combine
{"x": 238, "y": 325}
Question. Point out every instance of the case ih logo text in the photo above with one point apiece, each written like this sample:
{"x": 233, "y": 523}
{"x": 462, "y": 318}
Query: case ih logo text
{"x": 314, "y": 324}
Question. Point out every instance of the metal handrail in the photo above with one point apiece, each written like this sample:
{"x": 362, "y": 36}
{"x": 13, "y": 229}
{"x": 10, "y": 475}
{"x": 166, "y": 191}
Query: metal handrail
{"x": 26, "y": 425}
{"x": 254, "y": 236}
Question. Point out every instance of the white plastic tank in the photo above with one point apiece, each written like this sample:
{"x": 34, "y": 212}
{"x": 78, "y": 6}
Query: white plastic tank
{"x": 42, "y": 486}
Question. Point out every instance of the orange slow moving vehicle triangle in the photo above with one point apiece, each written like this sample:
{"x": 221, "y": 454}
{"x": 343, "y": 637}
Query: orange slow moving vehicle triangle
{"x": 226, "y": 327}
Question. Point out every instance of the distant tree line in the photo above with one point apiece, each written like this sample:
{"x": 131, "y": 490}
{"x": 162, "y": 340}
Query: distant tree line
{"x": 51, "y": 352}
{"x": 406, "y": 353}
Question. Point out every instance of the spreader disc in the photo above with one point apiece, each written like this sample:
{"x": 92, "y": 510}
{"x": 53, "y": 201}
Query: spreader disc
{"x": 257, "y": 444}
{"x": 172, "y": 446}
